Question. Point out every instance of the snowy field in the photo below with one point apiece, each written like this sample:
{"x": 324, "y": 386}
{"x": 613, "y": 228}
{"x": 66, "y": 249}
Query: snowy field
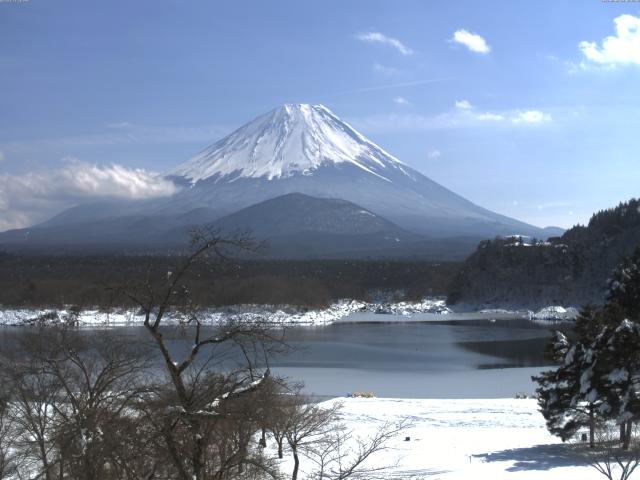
{"x": 466, "y": 439}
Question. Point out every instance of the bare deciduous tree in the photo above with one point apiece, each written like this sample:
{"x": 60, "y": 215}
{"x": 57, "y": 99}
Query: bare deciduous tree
{"x": 205, "y": 434}
{"x": 316, "y": 432}
{"x": 613, "y": 459}
{"x": 343, "y": 454}
{"x": 72, "y": 401}
{"x": 8, "y": 465}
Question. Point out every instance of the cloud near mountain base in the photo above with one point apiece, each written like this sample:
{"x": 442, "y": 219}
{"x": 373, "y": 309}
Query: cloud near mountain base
{"x": 35, "y": 196}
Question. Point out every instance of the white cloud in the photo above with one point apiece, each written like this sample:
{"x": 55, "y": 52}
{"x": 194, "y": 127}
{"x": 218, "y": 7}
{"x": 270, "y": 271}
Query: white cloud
{"x": 513, "y": 116}
{"x": 381, "y": 38}
{"x": 434, "y": 154}
{"x": 489, "y": 117}
{"x": 120, "y": 125}
{"x": 401, "y": 101}
{"x": 462, "y": 115}
{"x": 392, "y": 86}
{"x": 32, "y": 197}
{"x": 623, "y": 48}
{"x": 472, "y": 41}
{"x": 385, "y": 70}
{"x": 463, "y": 105}
{"x": 531, "y": 116}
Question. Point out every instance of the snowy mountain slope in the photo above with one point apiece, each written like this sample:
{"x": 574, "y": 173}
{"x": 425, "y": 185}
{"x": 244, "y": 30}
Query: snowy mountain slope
{"x": 292, "y": 139}
{"x": 307, "y": 149}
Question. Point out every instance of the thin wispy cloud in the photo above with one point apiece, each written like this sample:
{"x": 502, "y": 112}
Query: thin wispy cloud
{"x": 472, "y": 41}
{"x": 35, "y": 196}
{"x": 434, "y": 154}
{"x": 385, "y": 70}
{"x": 1, "y": 156}
{"x": 462, "y": 115}
{"x": 468, "y": 111}
{"x": 382, "y": 39}
{"x": 463, "y": 104}
{"x": 390, "y": 86}
{"x": 531, "y": 116}
{"x": 620, "y": 49}
{"x": 487, "y": 117}
{"x": 401, "y": 101}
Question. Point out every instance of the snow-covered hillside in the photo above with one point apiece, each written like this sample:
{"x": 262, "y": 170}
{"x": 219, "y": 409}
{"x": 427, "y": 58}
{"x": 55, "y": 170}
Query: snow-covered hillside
{"x": 294, "y": 139}
{"x": 301, "y": 148}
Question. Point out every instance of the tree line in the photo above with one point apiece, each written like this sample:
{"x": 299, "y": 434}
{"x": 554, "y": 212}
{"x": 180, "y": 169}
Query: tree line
{"x": 90, "y": 281}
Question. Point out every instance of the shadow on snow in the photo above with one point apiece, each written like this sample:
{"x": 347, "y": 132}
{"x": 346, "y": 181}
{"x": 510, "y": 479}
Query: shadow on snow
{"x": 538, "y": 457}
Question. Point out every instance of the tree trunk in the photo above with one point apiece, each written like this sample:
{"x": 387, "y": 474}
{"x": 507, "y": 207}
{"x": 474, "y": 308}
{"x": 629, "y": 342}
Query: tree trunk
{"x": 280, "y": 449}
{"x": 296, "y": 464}
{"x": 592, "y": 428}
{"x": 623, "y": 434}
{"x": 196, "y": 454}
{"x": 627, "y": 436}
{"x": 244, "y": 449}
{"x": 45, "y": 461}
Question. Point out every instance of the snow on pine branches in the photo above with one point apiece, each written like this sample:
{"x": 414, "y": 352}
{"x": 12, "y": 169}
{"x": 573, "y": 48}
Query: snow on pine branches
{"x": 598, "y": 374}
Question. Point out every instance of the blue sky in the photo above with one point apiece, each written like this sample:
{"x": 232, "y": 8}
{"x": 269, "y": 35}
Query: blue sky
{"x": 526, "y": 108}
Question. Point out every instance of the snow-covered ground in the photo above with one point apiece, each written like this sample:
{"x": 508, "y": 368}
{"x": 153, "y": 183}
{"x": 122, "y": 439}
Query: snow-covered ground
{"x": 353, "y": 311}
{"x": 466, "y": 439}
{"x": 277, "y": 314}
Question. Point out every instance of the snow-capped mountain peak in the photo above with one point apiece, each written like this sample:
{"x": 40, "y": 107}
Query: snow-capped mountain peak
{"x": 294, "y": 139}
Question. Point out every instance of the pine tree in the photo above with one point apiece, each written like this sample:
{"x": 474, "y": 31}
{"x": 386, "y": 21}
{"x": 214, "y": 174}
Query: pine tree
{"x": 564, "y": 395}
{"x": 598, "y": 376}
{"x": 623, "y": 299}
{"x": 619, "y": 372}
{"x": 589, "y": 323}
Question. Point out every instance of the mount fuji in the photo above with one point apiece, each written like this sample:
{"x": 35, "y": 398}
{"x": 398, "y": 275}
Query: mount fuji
{"x": 300, "y": 159}
{"x": 308, "y": 149}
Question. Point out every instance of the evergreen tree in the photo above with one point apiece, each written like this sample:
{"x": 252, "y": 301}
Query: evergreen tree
{"x": 564, "y": 394}
{"x": 623, "y": 300}
{"x": 589, "y": 323}
{"x": 619, "y": 373}
{"x": 598, "y": 374}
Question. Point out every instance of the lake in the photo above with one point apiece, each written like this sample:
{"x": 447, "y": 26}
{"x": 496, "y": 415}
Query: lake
{"x": 452, "y": 359}
{"x": 471, "y": 358}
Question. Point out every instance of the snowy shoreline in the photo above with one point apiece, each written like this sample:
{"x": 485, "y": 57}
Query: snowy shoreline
{"x": 344, "y": 311}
